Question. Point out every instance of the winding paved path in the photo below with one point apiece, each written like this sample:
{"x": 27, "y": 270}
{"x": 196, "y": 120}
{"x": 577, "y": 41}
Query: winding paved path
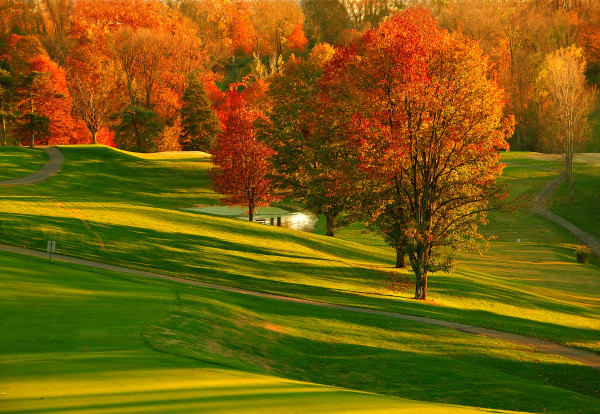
{"x": 55, "y": 162}
{"x": 539, "y": 205}
{"x": 588, "y": 358}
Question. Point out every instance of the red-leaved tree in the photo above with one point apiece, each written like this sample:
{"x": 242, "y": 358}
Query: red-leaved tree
{"x": 240, "y": 161}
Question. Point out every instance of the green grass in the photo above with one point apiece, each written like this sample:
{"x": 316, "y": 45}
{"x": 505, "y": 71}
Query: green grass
{"x": 73, "y": 340}
{"x": 118, "y": 208}
{"x": 17, "y": 162}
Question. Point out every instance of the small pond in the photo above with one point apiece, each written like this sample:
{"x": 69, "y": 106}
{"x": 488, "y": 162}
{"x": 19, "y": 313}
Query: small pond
{"x": 270, "y": 216}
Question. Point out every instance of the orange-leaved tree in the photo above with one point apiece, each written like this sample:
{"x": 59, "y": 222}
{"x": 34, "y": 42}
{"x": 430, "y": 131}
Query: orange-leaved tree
{"x": 241, "y": 163}
{"x": 429, "y": 128}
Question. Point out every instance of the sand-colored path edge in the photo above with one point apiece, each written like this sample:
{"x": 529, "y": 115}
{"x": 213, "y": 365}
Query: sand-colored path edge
{"x": 587, "y": 358}
{"x": 54, "y": 164}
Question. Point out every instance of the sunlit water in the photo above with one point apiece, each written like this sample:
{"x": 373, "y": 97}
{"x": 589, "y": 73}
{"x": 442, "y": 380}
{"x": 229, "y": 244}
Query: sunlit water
{"x": 270, "y": 216}
{"x": 302, "y": 221}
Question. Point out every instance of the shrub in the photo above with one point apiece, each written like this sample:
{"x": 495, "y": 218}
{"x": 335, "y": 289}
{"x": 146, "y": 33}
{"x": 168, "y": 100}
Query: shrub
{"x": 583, "y": 252}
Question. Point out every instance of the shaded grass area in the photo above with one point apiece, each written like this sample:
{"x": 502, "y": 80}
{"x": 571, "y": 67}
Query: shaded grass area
{"x": 71, "y": 341}
{"x": 118, "y": 208}
{"x": 16, "y": 162}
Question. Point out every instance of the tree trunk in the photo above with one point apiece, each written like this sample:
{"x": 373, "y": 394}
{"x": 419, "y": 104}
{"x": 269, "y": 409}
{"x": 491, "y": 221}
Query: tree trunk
{"x": 421, "y": 286}
{"x": 32, "y": 125}
{"x": 330, "y": 224}
{"x": 3, "y": 131}
{"x": 400, "y": 258}
{"x": 250, "y": 212}
{"x": 94, "y": 137}
{"x": 419, "y": 260}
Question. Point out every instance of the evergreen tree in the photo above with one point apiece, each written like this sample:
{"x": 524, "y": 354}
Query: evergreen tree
{"x": 31, "y": 92}
{"x": 199, "y": 121}
{"x": 136, "y": 129}
{"x": 8, "y": 102}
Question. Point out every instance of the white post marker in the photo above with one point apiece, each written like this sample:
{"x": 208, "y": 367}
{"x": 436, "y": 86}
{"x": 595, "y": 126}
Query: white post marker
{"x": 51, "y": 248}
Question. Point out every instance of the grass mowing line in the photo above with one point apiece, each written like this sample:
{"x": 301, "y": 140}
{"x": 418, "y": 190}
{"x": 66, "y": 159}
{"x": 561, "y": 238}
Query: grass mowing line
{"x": 17, "y": 162}
{"x": 587, "y": 358}
{"x": 71, "y": 342}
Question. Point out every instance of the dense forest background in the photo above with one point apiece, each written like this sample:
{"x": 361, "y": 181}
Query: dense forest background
{"x": 151, "y": 75}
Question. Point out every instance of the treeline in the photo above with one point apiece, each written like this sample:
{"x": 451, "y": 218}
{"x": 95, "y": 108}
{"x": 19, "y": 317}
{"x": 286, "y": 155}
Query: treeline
{"x": 519, "y": 37}
{"x": 117, "y": 71}
{"x": 143, "y": 75}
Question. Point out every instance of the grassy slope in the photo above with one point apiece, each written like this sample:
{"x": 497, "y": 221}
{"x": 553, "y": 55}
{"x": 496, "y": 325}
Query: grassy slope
{"x": 75, "y": 340}
{"x": 16, "y": 162}
{"x": 71, "y": 341}
{"x": 115, "y": 207}
{"x": 392, "y": 357}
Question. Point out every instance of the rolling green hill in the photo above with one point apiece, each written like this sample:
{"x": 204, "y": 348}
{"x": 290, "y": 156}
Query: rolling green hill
{"x": 122, "y": 209}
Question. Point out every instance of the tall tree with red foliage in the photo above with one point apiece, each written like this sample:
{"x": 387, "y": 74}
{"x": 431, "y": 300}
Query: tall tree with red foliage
{"x": 429, "y": 129}
{"x": 241, "y": 163}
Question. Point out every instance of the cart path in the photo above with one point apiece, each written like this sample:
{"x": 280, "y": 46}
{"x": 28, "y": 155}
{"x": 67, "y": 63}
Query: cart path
{"x": 587, "y": 358}
{"x": 539, "y": 205}
{"x": 55, "y": 162}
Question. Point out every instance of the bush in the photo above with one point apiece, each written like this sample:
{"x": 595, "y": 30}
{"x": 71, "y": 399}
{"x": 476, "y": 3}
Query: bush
{"x": 583, "y": 252}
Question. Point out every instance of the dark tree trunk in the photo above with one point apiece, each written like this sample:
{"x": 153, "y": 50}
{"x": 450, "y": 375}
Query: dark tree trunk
{"x": 3, "y": 131}
{"x": 570, "y": 174}
{"x": 419, "y": 261}
{"x": 32, "y": 125}
{"x": 400, "y": 258}
{"x": 94, "y": 137}
{"x": 330, "y": 224}
{"x": 250, "y": 212}
{"x": 421, "y": 286}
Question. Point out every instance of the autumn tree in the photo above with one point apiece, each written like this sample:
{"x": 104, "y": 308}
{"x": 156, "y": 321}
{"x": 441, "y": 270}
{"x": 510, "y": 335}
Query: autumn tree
{"x": 367, "y": 14}
{"x": 240, "y": 161}
{"x": 56, "y": 17}
{"x": 224, "y": 26}
{"x": 307, "y": 131}
{"x": 569, "y": 102}
{"x": 325, "y": 20}
{"x": 277, "y": 26}
{"x": 429, "y": 128}
{"x": 199, "y": 121}
{"x": 93, "y": 102}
